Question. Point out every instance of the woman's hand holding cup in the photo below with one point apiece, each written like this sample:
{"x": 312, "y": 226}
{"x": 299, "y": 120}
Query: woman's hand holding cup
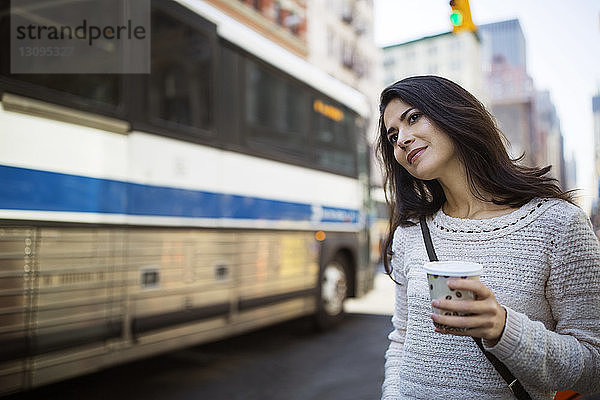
{"x": 483, "y": 317}
{"x": 461, "y": 304}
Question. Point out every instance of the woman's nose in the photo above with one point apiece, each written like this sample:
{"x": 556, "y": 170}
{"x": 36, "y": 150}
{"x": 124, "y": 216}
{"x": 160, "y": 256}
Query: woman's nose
{"x": 405, "y": 142}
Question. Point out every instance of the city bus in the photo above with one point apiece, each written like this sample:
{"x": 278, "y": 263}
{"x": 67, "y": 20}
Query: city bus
{"x": 222, "y": 192}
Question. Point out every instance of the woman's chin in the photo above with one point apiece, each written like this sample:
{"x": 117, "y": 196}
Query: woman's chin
{"x": 422, "y": 175}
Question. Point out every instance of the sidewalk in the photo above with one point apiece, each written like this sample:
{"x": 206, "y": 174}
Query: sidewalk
{"x": 380, "y": 300}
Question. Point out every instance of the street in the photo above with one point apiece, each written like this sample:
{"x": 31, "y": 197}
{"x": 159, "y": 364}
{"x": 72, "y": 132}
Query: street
{"x": 287, "y": 361}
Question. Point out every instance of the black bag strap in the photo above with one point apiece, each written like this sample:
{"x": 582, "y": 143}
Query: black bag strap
{"x": 513, "y": 383}
{"x": 427, "y": 239}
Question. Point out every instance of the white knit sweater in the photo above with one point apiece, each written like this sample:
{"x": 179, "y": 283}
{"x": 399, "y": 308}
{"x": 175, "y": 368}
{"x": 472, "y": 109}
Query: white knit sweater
{"x": 542, "y": 261}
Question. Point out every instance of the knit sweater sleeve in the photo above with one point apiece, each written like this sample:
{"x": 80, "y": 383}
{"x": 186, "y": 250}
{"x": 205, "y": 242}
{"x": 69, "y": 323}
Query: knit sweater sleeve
{"x": 393, "y": 356}
{"x": 567, "y": 357}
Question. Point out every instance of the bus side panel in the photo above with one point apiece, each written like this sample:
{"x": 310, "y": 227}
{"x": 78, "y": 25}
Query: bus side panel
{"x": 76, "y": 307}
{"x": 177, "y": 278}
{"x": 16, "y": 264}
{"x": 276, "y": 276}
{"x": 76, "y": 300}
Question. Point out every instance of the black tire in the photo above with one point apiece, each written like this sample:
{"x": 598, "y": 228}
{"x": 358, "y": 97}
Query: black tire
{"x": 332, "y": 292}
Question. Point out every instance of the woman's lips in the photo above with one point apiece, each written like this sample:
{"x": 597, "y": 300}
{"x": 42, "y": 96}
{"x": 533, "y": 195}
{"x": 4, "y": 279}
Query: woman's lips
{"x": 412, "y": 156}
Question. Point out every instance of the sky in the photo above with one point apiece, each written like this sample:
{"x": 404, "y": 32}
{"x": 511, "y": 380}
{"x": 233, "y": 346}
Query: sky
{"x": 563, "y": 55}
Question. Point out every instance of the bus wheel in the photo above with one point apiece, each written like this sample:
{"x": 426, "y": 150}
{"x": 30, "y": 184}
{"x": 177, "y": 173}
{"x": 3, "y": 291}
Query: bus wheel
{"x": 333, "y": 290}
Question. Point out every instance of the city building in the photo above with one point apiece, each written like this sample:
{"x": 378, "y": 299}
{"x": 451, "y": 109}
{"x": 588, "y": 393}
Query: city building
{"x": 504, "y": 39}
{"x": 281, "y": 21}
{"x": 511, "y": 89}
{"x": 527, "y": 117}
{"x": 341, "y": 41}
{"x": 548, "y": 137}
{"x": 455, "y": 56}
{"x": 511, "y": 102}
{"x": 570, "y": 172}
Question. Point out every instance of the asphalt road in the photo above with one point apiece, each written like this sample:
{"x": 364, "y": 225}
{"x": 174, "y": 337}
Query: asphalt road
{"x": 287, "y": 361}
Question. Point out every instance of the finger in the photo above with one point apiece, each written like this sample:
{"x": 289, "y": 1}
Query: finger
{"x": 474, "y": 285}
{"x": 475, "y": 332}
{"x": 465, "y": 284}
{"x": 443, "y": 331}
{"x": 463, "y": 321}
{"x": 464, "y": 306}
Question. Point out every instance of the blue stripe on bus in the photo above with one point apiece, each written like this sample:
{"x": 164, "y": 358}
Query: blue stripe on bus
{"x": 28, "y": 189}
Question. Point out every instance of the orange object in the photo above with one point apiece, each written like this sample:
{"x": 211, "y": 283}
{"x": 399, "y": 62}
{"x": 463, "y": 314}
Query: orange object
{"x": 567, "y": 395}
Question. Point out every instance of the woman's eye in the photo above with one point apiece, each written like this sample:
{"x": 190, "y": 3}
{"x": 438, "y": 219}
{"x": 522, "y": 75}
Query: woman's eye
{"x": 393, "y": 138}
{"x": 414, "y": 117}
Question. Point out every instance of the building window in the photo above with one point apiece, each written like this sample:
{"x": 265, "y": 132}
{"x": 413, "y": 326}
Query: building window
{"x": 347, "y": 55}
{"x": 389, "y": 62}
{"x": 293, "y": 22}
{"x": 278, "y": 13}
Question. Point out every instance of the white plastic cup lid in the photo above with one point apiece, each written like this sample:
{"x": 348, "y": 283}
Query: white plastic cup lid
{"x": 453, "y": 268}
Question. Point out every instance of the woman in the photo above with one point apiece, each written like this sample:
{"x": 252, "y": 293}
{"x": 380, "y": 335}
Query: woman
{"x": 537, "y": 304}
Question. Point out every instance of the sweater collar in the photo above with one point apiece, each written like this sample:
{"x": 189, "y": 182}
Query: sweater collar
{"x": 447, "y": 224}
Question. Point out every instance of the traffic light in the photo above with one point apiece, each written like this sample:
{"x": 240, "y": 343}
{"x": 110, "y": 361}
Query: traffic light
{"x": 461, "y": 16}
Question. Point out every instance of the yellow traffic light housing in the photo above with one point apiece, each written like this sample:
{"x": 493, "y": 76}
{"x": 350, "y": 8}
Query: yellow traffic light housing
{"x": 461, "y": 16}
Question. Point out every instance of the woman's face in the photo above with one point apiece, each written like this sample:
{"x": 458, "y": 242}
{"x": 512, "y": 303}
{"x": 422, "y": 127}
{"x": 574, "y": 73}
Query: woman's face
{"x": 424, "y": 150}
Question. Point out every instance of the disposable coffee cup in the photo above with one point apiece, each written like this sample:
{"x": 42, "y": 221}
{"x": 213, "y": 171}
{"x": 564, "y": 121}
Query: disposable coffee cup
{"x": 438, "y": 275}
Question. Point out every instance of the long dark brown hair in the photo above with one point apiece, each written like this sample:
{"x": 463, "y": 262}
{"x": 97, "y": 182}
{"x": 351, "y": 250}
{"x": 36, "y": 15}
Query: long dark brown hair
{"x": 479, "y": 144}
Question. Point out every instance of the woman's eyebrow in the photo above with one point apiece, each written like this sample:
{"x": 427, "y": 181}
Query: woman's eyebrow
{"x": 402, "y": 117}
{"x": 405, "y": 112}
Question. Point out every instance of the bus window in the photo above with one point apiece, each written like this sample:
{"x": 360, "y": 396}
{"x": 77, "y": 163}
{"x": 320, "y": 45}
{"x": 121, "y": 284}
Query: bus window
{"x": 179, "y": 84}
{"x": 276, "y": 111}
{"x": 91, "y": 92}
{"x": 334, "y": 130}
